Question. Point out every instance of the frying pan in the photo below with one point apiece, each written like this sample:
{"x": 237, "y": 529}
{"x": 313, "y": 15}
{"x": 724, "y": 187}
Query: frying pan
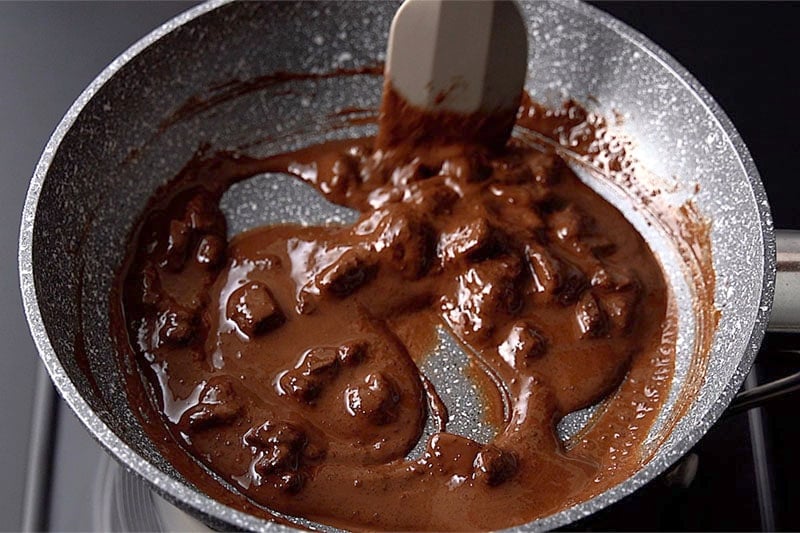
{"x": 132, "y": 129}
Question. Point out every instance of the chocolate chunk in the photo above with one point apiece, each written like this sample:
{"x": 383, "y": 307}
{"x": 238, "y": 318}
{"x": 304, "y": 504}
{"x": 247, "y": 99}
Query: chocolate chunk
{"x": 403, "y": 241}
{"x": 301, "y": 386}
{"x": 277, "y": 458}
{"x": 290, "y": 482}
{"x": 254, "y": 309}
{"x": 592, "y": 321}
{"x": 572, "y": 283}
{"x": 281, "y": 446}
{"x": 313, "y": 453}
{"x": 315, "y": 369}
{"x": 415, "y": 171}
{"x": 375, "y": 398}
{"x": 599, "y": 245}
{"x": 502, "y": 275}
{"x": 373, "y": 170}
{"x": 218, "y": 405}
{"x": 403, "y": 175}
{"x": 475, "y": 241}
{"x": 546, "y": 167}
{"x": 553, "y": 276}
{"x": 517, "y": 206}
{"x": 320, "y": 361}
{"x": 413, "y": 257}
{"x": 345, "y": 170}
{"x": 481, "y": 293}
{"x": 516, "y": 195}
{"x": 359, "y": 152}
{"x": 619, "y": 307}
{"x": 523, "y": 344}
{"x": 524, "y": 218}
{"x": 469, "y": 167}
{"x": 569, "y": 223}
{"x": 176, "y": 326}
{"x": 433, "y": 196}
{"x": 211, "y": 251}
{"x": 512, "y": 168}
{"x": 151, "y": 285}
{"x": 381, "y": 197}
{"x": 451, "y": 455}
{"x": 347, "y": 165}
{"x": 270, "y": 433}
{"x": 352, "y": 353}
{"x": 345, "y": 275}
{"x": 177, "y": 245}
{"x": 495, "y": 466}
{"x": 545, "y": 269}
{"x": 336, "y": 179}
{"x": 204, "y": 215}
{"x": 613, "y": 278}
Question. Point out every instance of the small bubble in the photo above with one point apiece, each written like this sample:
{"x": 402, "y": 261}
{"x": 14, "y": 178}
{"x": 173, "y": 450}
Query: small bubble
{"x": 344, "y": 56}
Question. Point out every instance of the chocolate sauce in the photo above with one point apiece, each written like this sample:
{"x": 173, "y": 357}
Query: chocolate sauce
{"x": 286, "y": 359}
{"x": 402, "y": 123}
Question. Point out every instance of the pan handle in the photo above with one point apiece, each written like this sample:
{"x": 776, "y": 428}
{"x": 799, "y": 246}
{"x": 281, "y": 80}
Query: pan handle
{"x": 785, "y": 318}
{"x": 786, "y": 307}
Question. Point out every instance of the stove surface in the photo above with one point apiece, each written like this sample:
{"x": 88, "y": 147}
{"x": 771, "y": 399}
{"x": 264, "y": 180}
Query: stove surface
{"x": 739, "y": 477}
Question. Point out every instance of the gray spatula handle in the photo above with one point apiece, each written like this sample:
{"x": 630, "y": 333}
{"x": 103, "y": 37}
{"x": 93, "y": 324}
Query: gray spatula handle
{"x": 786, "y": 308}
{"x": 785, "y": 318}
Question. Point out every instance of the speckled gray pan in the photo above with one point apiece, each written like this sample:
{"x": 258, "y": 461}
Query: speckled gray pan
{"x": 110, "y": 153}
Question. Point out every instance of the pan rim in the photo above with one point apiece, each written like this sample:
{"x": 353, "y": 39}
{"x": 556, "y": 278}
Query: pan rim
{"x": 198, "y": 503}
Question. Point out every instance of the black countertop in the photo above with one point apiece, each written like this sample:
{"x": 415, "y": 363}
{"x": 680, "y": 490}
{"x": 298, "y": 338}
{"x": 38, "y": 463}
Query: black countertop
{"x": 744, "y": 54}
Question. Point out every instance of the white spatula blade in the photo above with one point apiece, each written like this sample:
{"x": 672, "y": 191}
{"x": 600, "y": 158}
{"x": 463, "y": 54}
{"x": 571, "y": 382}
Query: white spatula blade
{"x": 458, "y": 55}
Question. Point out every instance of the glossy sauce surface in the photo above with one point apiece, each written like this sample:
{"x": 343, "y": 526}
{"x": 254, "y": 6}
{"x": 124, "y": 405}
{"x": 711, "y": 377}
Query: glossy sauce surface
{"x": 287, "y": 359}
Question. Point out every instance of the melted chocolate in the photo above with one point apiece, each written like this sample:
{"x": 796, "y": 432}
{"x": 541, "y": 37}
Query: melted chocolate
{"x": 403, "y": 124}
{"x": 286, "y": 359}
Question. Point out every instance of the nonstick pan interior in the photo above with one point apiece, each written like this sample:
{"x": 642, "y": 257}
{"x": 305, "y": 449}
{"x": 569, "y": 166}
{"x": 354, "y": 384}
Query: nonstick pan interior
{"x": 130, "y": 132}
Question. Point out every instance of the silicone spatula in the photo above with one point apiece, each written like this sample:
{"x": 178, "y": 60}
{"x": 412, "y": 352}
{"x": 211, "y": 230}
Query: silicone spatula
{"x": 462, "y": 56}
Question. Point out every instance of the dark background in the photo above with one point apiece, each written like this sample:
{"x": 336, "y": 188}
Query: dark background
{"x": 49, "y": 52}
{"x": 744, "y": 53}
